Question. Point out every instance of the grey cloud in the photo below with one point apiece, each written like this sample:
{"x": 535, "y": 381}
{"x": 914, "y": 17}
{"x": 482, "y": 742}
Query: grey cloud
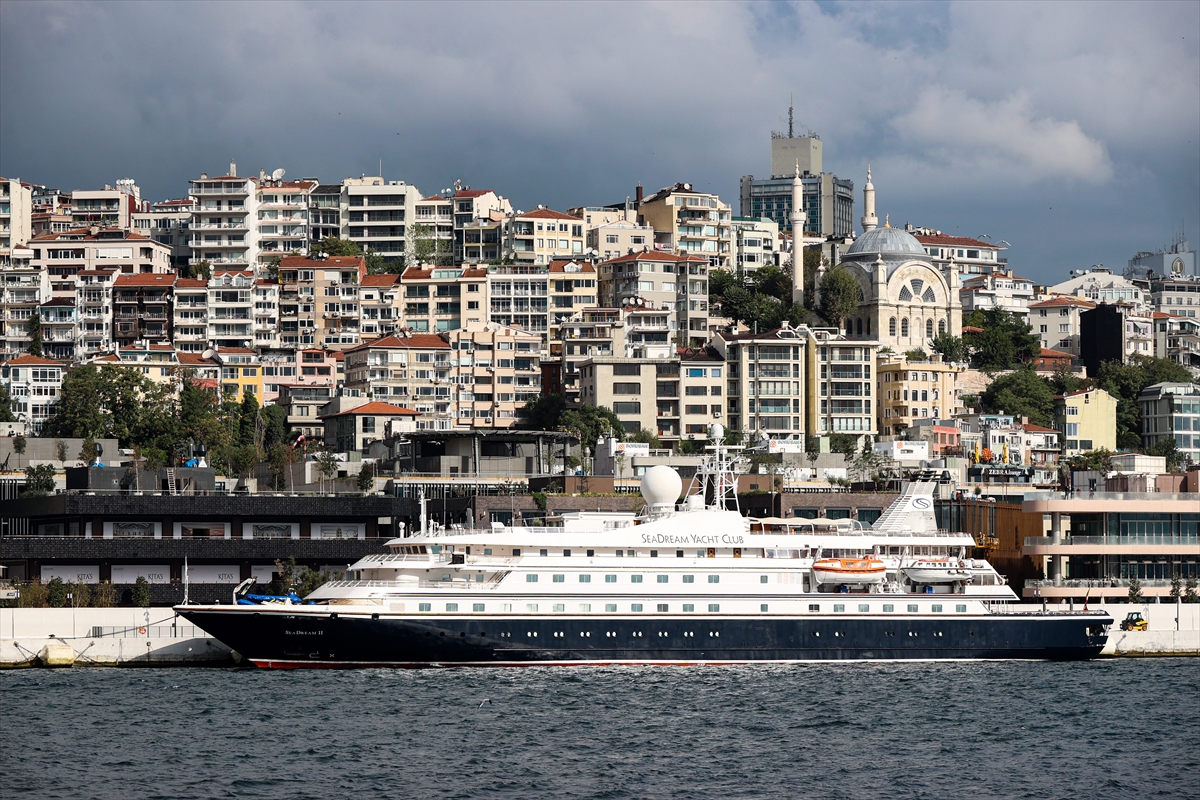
{"x": 1044, "y": 122}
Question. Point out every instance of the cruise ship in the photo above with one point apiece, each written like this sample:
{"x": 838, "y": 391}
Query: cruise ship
{"x": 691, "y": 582}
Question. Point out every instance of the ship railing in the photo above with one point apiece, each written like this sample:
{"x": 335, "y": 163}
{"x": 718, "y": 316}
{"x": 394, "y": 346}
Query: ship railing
{"x": 491, "y": 583}
{"x": 151, "y": 632}
{"x": 799, "y": 528}
{"x": 1139, "y": 538}
{"x": 1096, "y": 583}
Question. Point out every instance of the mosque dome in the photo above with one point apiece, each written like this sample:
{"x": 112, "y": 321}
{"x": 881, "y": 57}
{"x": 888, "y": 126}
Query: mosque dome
{"x": 887, "y": 242}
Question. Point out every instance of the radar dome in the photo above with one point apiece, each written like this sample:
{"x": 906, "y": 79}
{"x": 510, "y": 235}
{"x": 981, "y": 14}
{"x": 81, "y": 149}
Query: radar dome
{"x": 661, "y": 486}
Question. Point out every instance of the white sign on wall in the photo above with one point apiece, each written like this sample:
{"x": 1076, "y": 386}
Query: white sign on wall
{"x": 263, "y": 573}
{"x": 71, "y": 573}
{"x": 214, "y": 573}
{"x": 129, "y": 573}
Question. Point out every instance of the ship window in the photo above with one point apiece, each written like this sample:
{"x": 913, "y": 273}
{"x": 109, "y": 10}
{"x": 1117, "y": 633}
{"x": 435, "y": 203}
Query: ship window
{"x": 425, "y": 607}
{"x": 699, "y": 554}
{"x": 531, "y": 578}
{"x": 635, "y": 607}
{"x": 543, "y": 552}
{"x": 654, "y": 554}
{"x": 936, "y": 608}
{"x": 864, "y": 607}
{"x": 610, "y": 578}
{"x": 762, "y": 578}
{"x": 560, "y": 578}
{"x": 763, "y": 608}
{"x": 477, "y": 607}
{"x": 591, "y": 553}
{"x": 585, "y": 578}
{"x": 620, "y": 553}
{"x": 814, "y": 606}
{"x": 566, "y": 553}
{"x": 531, "y": 606}
{"x": 888, "y": 607}
{"x": 630, "y": 553}
{"x": 662, "y": 608}
{"x": 689, "y": 578}
{"x": 585, "y": 606}
{"x": 610, "y": 606}
{"x": 437, "y": 548}
{"x": 487, "y": 551}
{"x": 712, "y": 552}
{"x": 516, "y": 551}
{"x": 912, "y": 608}
{"x": 961, "y": 608}
{"x": 714, "y": 607}
{"x": 560, "y": 607}
{"x": 662, "y": 579}
{"x": 679, "y": 554}
{"x": 445, "y": 576}
{"x": 635, "y": 578}
{"x": 452, "y": 606}
{"x": 688, "y": 607}
{"x": 839, "y": 607}
{"x": 506, "y": 606}
{"x": 714, "y": 578}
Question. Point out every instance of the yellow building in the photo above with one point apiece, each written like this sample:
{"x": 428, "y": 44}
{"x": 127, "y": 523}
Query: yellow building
{"x": 1087, "y": 420}
{"x": 241, "y": 372}
{"x": 913, "y": 390}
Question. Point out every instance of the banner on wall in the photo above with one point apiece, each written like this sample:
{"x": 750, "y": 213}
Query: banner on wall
{"x": 71, "y": 573}
{"x": 214, "y": 573}
{"x": 129, "y": 573}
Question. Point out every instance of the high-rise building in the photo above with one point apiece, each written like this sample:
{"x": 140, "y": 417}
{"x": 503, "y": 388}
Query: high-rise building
{"x": 223, "y": 226}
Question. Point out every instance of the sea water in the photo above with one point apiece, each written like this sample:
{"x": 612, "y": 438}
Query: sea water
{"x": 1122, "y": 728}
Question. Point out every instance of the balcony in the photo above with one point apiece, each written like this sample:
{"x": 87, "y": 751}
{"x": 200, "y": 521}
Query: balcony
{"x": 221, "y": 226}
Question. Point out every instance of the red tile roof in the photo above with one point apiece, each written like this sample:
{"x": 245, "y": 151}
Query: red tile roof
{"x": 654, "y": 255}
{"x": 560, "y": 266}
{"x": 378, "y": 409}
{"x": 1031, "y": 428}
{"x": 469, "y": 193}
{"x": 27, "y": 360}
{"x": 380, "y": 280}
{"x": 195, "y": 359}
{"x": 953, "y": 241}
{"x": 1047, "y": 353}
{"x": 337, "y": 262}
{"x": 59, "y": 301}
{"x": 546, "y": 213}
{"x": 419, "y": 341}
{"x": 1063, "y": 300}
{"x": 147, "y": 279}
{"x": 191, "y": 283}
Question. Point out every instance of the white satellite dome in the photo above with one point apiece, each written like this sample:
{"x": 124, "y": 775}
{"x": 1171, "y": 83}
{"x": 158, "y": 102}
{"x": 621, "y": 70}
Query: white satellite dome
{"x": 661, "y": 486}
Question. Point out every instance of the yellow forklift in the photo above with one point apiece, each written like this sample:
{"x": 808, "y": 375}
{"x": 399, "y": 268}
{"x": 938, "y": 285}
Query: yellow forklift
{"x": 1134, "y": 621}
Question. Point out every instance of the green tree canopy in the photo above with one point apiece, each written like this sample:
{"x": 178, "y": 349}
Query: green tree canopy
{"x": 952, "y": 348}
{"x": 1004, "y": 340}
{"x": 1021, "y": 393}
{"x": 1126, "y": 381}
{"x": 592, "y": 422}
{"x": 6, "y": 414}
{"x": 35, "y": 334}
{"x": 544, "y": 412}
{"x": 333, "y": 246}
{"x": 840, "y": 296}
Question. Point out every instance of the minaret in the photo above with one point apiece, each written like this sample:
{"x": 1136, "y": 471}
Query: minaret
{"x": 869, "y": 220}
{"x": 798, "y": 220}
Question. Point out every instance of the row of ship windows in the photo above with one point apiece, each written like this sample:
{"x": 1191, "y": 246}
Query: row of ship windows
{"x": 533, "y": 578}
{"x": 664, "y": 608}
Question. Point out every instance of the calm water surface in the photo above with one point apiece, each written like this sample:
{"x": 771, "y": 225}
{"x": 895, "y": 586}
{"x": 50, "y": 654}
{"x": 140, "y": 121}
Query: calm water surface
{"x": 1123, "y": 729}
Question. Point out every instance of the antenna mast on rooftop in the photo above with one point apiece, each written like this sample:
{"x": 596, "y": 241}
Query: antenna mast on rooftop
{"x": 791, "y": 103}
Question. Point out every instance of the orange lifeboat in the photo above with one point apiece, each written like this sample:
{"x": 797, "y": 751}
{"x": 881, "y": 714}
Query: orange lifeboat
{"x": 849, "y": 571}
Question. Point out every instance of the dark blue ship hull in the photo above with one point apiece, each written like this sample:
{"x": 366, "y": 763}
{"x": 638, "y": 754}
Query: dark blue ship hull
{"x": 275, "y": 638}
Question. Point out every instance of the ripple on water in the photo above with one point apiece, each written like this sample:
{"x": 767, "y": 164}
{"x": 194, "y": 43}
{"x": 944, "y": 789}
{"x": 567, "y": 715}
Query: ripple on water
{"x": 773, "y": 731}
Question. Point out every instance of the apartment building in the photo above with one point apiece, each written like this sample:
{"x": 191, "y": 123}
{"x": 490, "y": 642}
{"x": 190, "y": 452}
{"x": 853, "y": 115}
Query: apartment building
{"x": 281, "y": 217}
{"x": 701, "y": 398}
{"x": 573, "y": 288}
{"x": 142, "y": 309}
{"x": 496, "y": 371}
{"x": 1172, "y": 409}
{"x": 169, "y": 223}
{"x": 266, "y": 315}
{"x": 468, "y": 205}
{"x": 1055, "y": 321}
{"x": 625, "y": 385}
{"x": 767, "y": 382}
{"x": 302, "y": 405}
{"x": 410, "y": 369}
{"x": 1099, "y": 285}
{"x": 519, "y": 295}
{"x": 689, "y": 222}
{"x": 42, "y": 223}
{"x": 443, "y": 298}
{"x": 380, "y": 305}
{"x": 1178, "y": 338}
{"x": 378, "y": 215}
{"x": 23, "y": 289}
{"x": 1040, "y": 449}
{"x": 916, "y": 390}
{"x": 241, "y": 372}
{"x": 319, "y": 301}
{"x": 190, "y": 315}
{"x": 202, "y": 372}
{"x": 94, "y": 311}
{"x": 1087, "y": 420}
{"x": 595, "y": 333}
{"x": 756, "y": 242}
{"x": 60, "y": 328}
{"x": 610, "y": 239}
{"x": 110, "y": 207}
{"x": 352, "y": 425}
{"x": 969, "y": 256}
{"x": 483, "y": 239}
{"x": 224, "y": 224}
{"x": 16, "y": 212}
{"x": 285, "y": 370}
{"x": 664, "y": 280}
{"x": 34, "y": 385}
{"x": 63, "y": 255}
{"x": 997, "y": 290}
{"x": 1178, "y": 295}
{"x": 157, "y": 361}
{"x": 328, "y": 213}
{"x": 433, "y": 241}
{"x": 230, "y": 308}
{"x": 541, "y": 236}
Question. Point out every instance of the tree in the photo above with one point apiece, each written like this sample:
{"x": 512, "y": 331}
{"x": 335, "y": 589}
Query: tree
{"x": 869, "y": 465}
{"x": 842, "y": 443}
{"x": 952, "y": 348}
{"x": 543, "y": 412}
{"x": 1135, "y": 590}
{"x": 274, "y": 421}
{"x": 1189, "y": 594}
{"x": 35, "y": 334}
{"x": 1093, "y": 461}
{"x": 6, "y": 413}
{"x": 646, "y": 437}
{"x": 327, "y": 465}
{"x": 366, "y": 478}
{"x": 591, "y": 422}
{"x": 335, "y": 247}
{"x": 273, "y": 269}
{"x": 1021, "y": 393}
{"x": 916, "y": 355}
{"x": 39, "y": 480}
{"x": 248, "y": 420}
{"x": 1004, "y": 340}
{"x": 1167, "y": 448}
{"x": 56, "y": 593}
{"x": 60, "y": 450}
{"x": 87, "y": 451}
{"x": 141, "y": 592}
{"x": 377, "y": 265}
{"x": 18, "y": 446}
{"x": 812, "y": 451}
{"x": 427, "y": 248}
{"x": 242, "y": 459}
{"x": 1126, "y": 381}
{"x": 201, "y": 270}
{"x": 1176, "y": 587}
{"x": 840, "y": 296}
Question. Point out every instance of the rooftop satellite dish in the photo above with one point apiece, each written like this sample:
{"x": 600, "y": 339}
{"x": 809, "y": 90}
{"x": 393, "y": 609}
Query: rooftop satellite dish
{"x": 207, "y": 354}
{"x": 277, "y": 174}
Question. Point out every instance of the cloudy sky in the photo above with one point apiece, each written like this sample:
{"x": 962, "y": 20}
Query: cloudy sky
{"x": 1071, "y": 130}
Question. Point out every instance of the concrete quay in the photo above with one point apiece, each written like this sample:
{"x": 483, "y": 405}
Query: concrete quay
{"x": 1165, "y": 636}
{"x": 115, "y": 637}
